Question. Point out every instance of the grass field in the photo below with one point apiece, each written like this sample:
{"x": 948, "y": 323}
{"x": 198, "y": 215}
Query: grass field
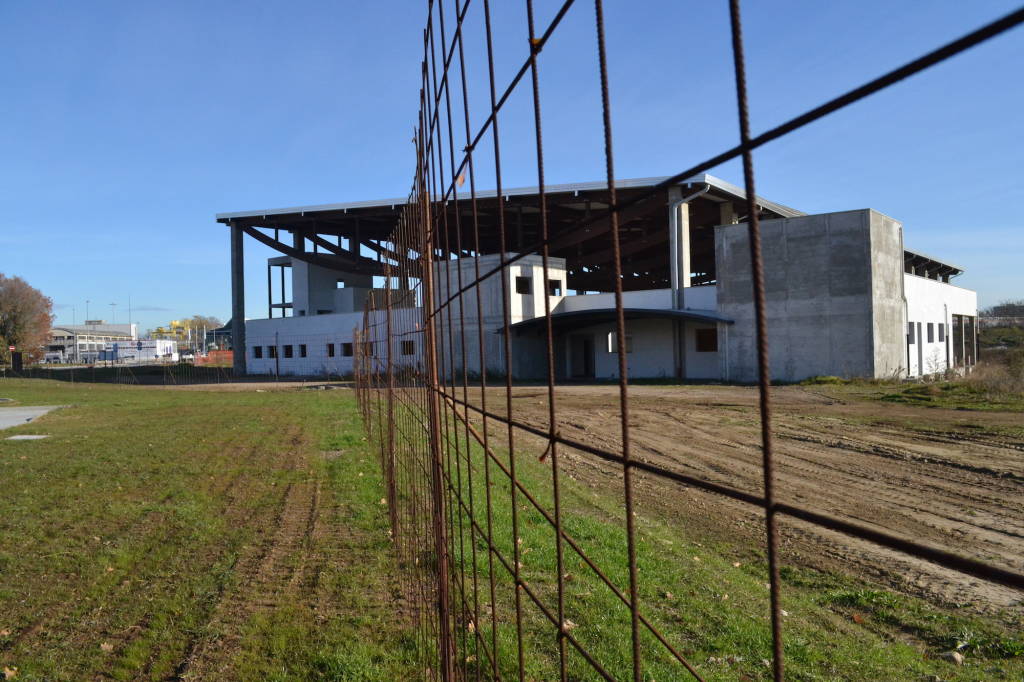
{"x": 163, "y": 534}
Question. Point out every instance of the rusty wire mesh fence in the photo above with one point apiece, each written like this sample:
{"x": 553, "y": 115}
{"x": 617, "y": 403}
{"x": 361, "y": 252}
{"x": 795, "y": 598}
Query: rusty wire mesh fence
{"x": 506, "y": 579}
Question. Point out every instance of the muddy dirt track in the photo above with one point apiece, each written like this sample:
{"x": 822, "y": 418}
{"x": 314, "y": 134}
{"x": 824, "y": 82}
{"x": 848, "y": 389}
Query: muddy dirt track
{"x": 952, "y": 479}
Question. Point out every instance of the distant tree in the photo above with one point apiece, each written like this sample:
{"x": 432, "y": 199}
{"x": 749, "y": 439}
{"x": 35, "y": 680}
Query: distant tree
{"x": 1006, "y": 309}
{"x": 25, "y": 318}
{"x": 201, "y": 321}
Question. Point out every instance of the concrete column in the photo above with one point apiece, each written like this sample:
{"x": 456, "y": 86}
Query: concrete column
{"x": 237, "y": 300}
{"x": 679, "y": 244}
{"x": 270, "y": 292}
{"x": 726, "y": 214}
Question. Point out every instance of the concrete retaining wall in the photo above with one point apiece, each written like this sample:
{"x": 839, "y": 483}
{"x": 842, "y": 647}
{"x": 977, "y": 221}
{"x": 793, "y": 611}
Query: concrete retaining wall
{"x": 824, "y": 276}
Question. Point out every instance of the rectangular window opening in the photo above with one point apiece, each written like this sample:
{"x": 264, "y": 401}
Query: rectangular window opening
{"x": 272, "y": 351}
{"x": 408, "y": 347}
{"x": 346, "y": 350}
{"x": 302, "y": 350}
{"x": 288, "y": 351}
{"x": 524, "y": 285}
{"x": 554, "y": 287}
{"x": 931, "y": 332}
{"x": 942, "y": 332}
{"x": 613, "y": 344}
{"x": 707, "y": 340}
{"x": 257, "y": 352}
{"x": 330, "y": 350}
{"x": 910, "y": 332}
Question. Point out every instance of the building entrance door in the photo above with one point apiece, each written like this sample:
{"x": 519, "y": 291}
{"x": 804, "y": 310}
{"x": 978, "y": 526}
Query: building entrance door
{"x": 581, "y": 357}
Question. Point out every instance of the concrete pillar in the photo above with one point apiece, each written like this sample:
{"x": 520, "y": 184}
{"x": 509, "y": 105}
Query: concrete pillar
{"x": 679, "y": 244}
{"x": 237, "y": 300}
{"x": 726, "y": 214}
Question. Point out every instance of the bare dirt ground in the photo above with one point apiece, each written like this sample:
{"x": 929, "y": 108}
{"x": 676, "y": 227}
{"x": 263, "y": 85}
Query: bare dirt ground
{"x": 948, "y": 478}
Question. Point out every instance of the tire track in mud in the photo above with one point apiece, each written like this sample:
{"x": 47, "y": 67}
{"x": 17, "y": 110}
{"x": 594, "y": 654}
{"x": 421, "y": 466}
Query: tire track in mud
{"x": 266, "y": 575}
{"x": 93, "y": 624}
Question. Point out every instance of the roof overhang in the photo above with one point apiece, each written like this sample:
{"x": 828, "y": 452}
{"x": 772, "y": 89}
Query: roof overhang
{"x": 581, "y": 318}
{"x": 724, "y": 189}
{"x": 916, "y": 259}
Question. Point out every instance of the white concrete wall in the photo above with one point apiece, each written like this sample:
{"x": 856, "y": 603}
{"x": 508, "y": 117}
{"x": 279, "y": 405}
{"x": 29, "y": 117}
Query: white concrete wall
{"x": 701, "y": 298}
{"x": 315, "y": 331}
{"x": 449, "y": 275}
{"x": 350, "y": 299}
{"x": 818, "y": 290}
{"x": 316, "y": 288}
{"x": 700, "y": 365}
{"x": 651, "y": 353}
{"x": 931, "y": 301}
{"x": 657, "y": 299}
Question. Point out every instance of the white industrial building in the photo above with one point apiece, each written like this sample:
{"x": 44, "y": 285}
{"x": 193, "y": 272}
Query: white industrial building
{"x": 141, "y": 350}
{"x": 845, "y": 297}
{"x": 84, "y": 343}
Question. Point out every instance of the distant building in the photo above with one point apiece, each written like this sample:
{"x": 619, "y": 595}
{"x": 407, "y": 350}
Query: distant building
{"x": 83, "y": 343}
{"x": 147, "y": 350}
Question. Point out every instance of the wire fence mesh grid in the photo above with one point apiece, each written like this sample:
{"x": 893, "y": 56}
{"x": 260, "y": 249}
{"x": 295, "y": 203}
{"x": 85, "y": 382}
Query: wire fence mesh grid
{"x": 489, "y": 548}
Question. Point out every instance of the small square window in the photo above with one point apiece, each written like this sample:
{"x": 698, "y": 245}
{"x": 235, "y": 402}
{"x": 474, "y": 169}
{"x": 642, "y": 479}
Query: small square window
{"x": 931, "y": 332}
{"x": 340, "y": 284}
{"x": 707, "y": 340}
{"x": 272, "y": 351}
{"x": 346, "y": 350}
{"x": 257, "y": 352}
{"x": 288, "y": 351}
{"x": 910, "y": 332}
{"x": 524, "y": 285}
{"x": 613, "y": 345}
{"x": 408, "y": 347}
{"x": 942, "y": 332}
{"x": 330, "y": 350}
{"x": 302, "y": 350}
{"x": 554, "y": 287}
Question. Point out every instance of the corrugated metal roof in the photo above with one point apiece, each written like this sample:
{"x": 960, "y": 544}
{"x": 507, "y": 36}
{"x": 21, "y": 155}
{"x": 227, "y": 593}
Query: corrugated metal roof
{"x": 717, "y": 183}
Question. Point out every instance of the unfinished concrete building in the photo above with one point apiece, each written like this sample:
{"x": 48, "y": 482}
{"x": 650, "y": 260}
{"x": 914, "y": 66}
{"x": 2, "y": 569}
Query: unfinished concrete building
{"x": 845, "y": 296}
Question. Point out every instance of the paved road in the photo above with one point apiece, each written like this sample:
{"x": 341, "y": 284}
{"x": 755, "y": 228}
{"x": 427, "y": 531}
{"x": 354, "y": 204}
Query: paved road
{"x": 15, "y": 416}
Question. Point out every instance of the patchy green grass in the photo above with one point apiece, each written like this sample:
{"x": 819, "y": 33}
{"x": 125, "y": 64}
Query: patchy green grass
{"x": 121, "y": 534}
{"x": 957, "y": 395}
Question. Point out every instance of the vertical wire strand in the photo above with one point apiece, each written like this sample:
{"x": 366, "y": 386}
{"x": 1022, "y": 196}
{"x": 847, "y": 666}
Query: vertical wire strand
{"x": 507, "y": 348}
{"x": 482, "y": 353}
{"x": 620, "y": 334}
{"x": 764, "y": 371}
{"x": 543, "y": 292}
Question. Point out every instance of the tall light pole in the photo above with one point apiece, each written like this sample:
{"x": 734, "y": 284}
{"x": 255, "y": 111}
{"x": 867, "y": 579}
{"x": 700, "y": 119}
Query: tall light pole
{"x": 86, "y": 310}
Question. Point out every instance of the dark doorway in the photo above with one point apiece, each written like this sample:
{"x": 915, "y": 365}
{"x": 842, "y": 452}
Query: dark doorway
{"x": 920, "y": 352}
{"x": 581, "y": 357}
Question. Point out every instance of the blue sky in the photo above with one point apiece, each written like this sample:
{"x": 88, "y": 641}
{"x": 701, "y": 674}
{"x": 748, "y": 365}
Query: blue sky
{"x": 125, "y": 126}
